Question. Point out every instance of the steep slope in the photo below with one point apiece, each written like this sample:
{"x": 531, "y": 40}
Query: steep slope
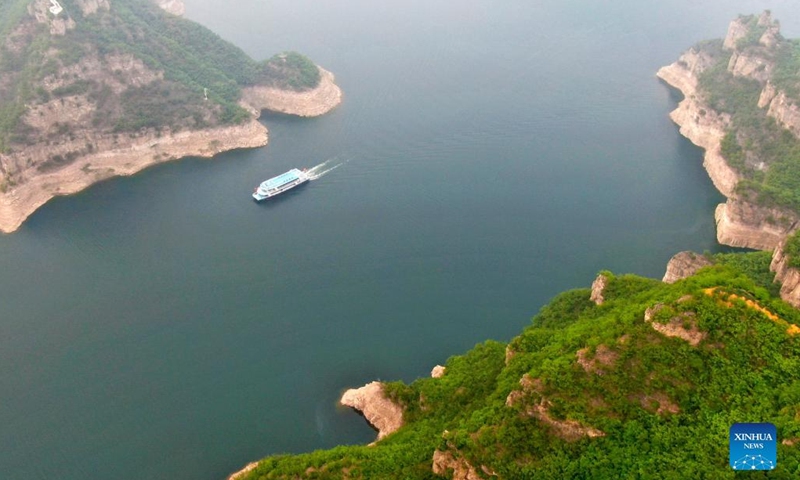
{"x": 648, "y": 381}
{"x": 108, "y": 87}
{"x": 742, "y": 105}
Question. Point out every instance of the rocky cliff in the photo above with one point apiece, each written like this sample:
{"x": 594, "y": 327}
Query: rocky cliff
{"x": 789, "y": 277}
{"x": 683, "y": 265}
{"x": 740, "y": 222}
{"x": 380, "y": 412}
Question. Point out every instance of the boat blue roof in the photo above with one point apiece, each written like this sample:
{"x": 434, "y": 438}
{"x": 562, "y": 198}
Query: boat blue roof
{"x": 281, "y": 179}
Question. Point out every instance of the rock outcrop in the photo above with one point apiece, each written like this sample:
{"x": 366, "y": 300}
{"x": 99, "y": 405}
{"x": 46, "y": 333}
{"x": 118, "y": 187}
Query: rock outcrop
{"x": 309, "y": 103}
{"x": 785, "y": 111}
{"x": 175, "y": 7}
{"x": 739, "y": 222}
{"x": 683, "y": 265}
{"x": 384, "y": 415}
{"x": 598, "y": 287}
{"x": 438, "y": 371}
{"x": 449, "y": 465}
{"x": 743, "y": 224}
{"x": 789, "y": 277}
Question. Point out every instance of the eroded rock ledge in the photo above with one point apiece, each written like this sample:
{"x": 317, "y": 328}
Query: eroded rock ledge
{"x": 384, "y": 415}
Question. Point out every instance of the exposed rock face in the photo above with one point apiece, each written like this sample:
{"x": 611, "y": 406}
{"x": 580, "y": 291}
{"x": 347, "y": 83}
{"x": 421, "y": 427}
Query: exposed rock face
{"x": 379, "y": 411}
{"x": 737, "y": 30}
{"x": 438, "y": 371}
{"x": 788, "y": 277}
{"x": 322, "y": 99}
{"x": 781, "y": 108}
{"x": 446, "y": 464}
{"x": 683, "y": 265}
{"x": 175, "y": 7}
{"x": 743, "y": 64}
{"x": 598, "y": 286}
{"x": 700, "y": 124}
{"x": 742, "y": 224}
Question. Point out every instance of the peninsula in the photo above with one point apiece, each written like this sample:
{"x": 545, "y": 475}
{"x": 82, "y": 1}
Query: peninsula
{"x": 102, "y": 88}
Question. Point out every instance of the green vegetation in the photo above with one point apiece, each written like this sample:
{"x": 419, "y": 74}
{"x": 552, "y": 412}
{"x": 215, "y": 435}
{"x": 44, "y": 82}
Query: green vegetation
{"x": 663, "y": 406}
{"x": 792, "y": 249}
{"x": 190, "y": 59}
{"x": 290, "y": 70}
{"x": 764, "y": 153}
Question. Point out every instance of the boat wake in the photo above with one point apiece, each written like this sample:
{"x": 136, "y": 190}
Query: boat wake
{"x": 325, "y": 167}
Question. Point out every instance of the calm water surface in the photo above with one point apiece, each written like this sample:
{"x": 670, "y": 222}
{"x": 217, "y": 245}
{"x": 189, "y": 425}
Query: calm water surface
{"x": 492, "y": 155}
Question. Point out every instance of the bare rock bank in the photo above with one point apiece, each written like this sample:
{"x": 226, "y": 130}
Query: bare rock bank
{"x": 383, "y": 414}
{"x": 122, "y": 158}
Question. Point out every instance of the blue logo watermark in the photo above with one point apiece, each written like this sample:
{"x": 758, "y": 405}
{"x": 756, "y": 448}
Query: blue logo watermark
{"x": 753, "y": 446}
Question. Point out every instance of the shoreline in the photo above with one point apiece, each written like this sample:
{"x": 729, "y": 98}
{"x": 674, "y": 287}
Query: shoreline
{"x": 21, "y": 201}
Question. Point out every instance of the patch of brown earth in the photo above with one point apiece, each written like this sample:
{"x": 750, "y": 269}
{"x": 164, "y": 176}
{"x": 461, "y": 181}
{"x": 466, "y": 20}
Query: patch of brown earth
{"x": 603, "y": 357}
{"x": 683, "y": 326}
{"x": 569, "y": 430}
{"x": 659, "y": 403}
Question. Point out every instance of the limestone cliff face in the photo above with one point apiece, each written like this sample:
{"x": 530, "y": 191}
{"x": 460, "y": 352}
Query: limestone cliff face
{"x": 743, "y": 224}
{"x": 311, "y": 103}
{"x": 788, "y": 277}
{"x": 739, "y": 223}
{"x": 697, "y": 121}
{"x": 380, "y": 412}
{"x": 683, "y": 265}
{"x": 781, "y": 108}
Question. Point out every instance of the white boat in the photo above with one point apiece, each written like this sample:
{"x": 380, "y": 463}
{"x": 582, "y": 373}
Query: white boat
{"x": 282, "y": 183}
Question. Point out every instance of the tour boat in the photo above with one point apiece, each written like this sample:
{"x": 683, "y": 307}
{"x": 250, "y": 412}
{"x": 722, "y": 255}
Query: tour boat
{"x": 283, "y": 182}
